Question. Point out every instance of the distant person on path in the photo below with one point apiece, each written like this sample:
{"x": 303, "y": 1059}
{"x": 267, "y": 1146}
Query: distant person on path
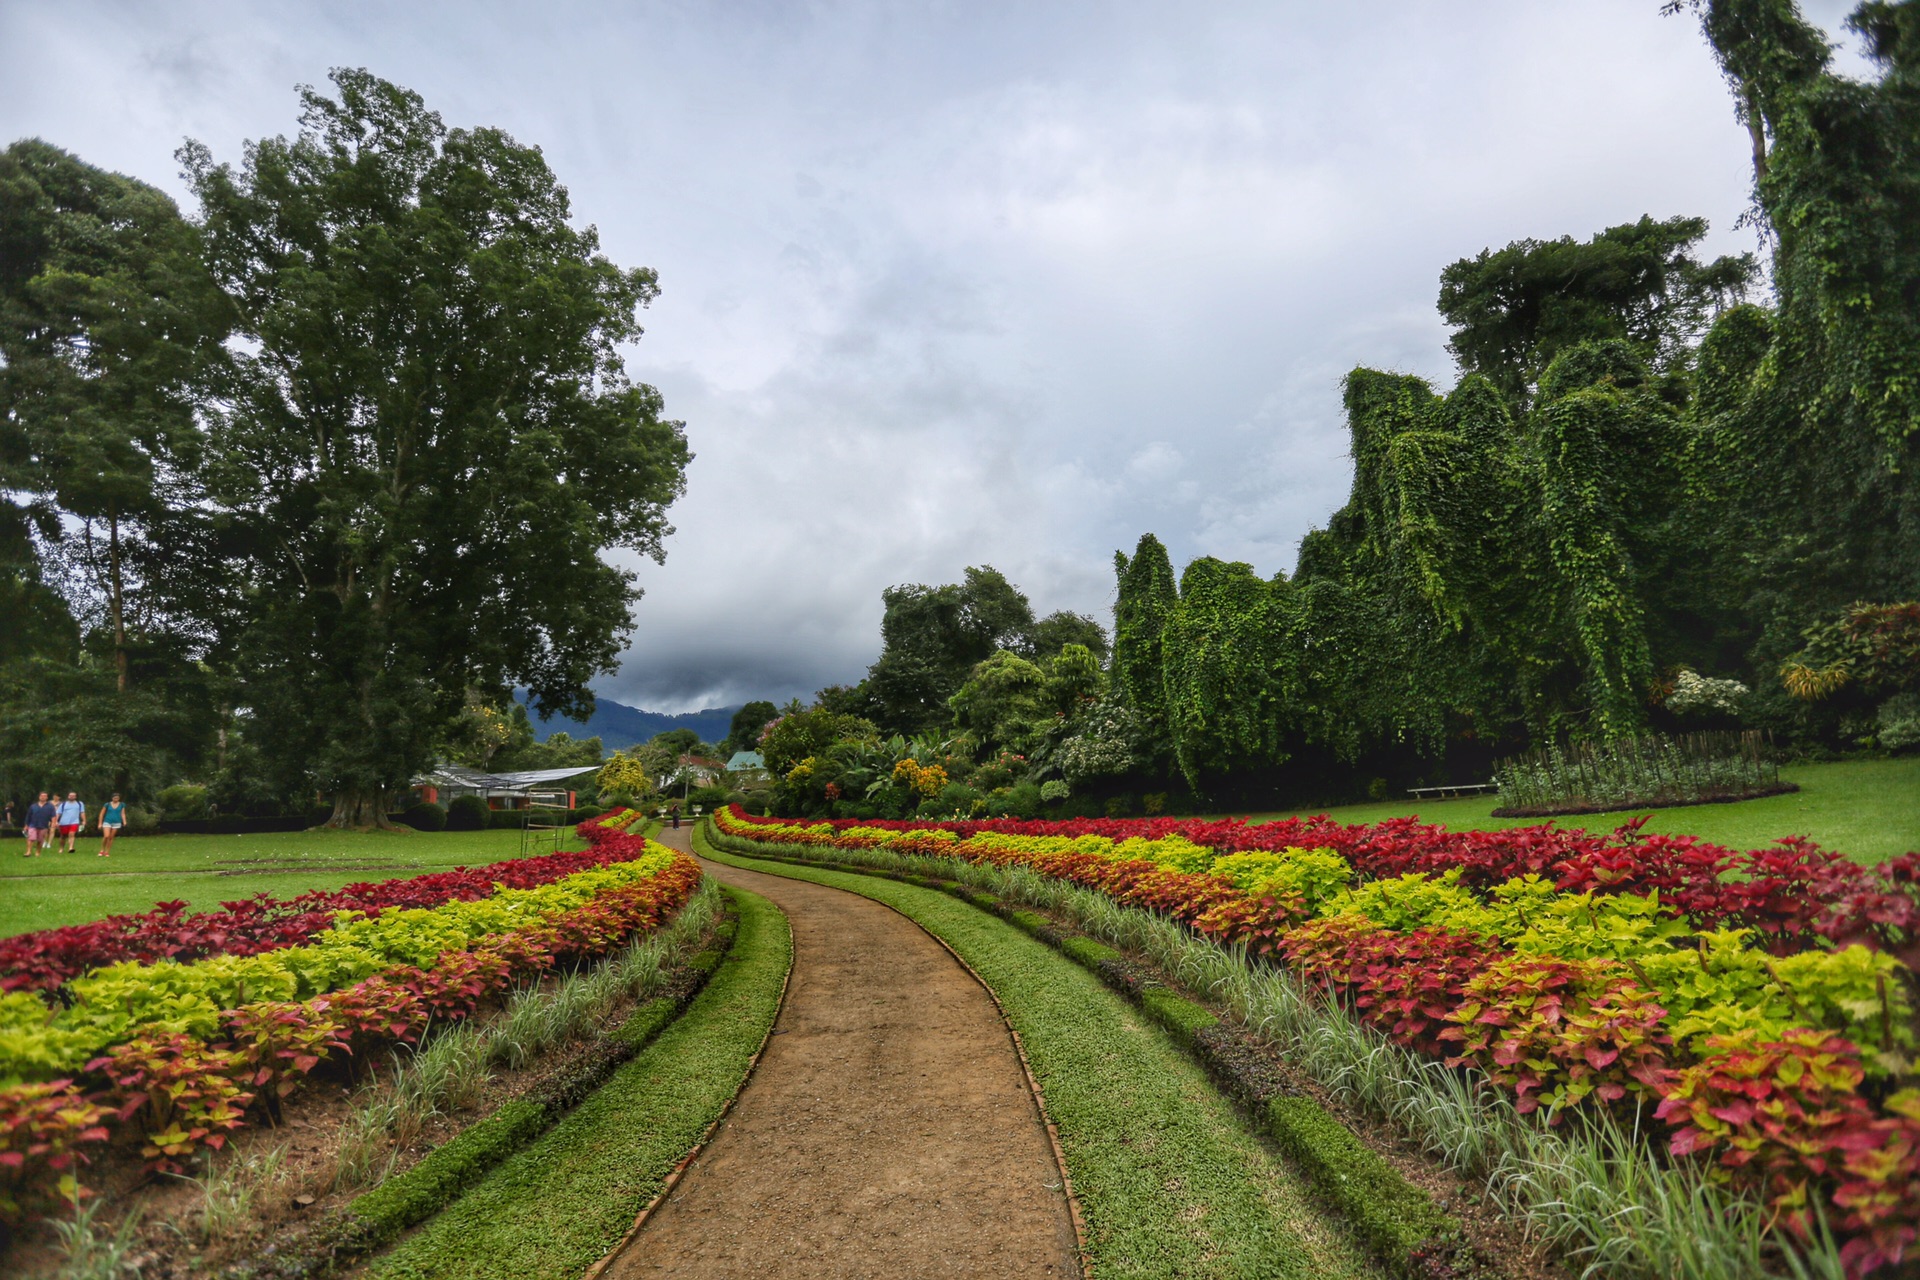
{"x": 113, "y": 816}
{"x": 73, "y": 816}
{"x": 39, "y": 825}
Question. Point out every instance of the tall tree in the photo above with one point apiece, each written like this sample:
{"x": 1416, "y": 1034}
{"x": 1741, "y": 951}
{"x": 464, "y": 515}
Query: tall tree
{"x": 931, "y": 637}
{"x": 1515, "y": 309}
{"x": 748, "y": 723}
{"x": 432, "y": 439}
{"x": 109, "y": 327}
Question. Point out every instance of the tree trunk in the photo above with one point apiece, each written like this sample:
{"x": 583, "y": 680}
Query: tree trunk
{"x": 116, "y": 592}
{"x": 360, "y": 811}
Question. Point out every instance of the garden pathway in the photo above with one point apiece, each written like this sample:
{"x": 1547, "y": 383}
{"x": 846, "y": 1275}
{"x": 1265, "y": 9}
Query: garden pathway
{"x": 888, "y": 1130}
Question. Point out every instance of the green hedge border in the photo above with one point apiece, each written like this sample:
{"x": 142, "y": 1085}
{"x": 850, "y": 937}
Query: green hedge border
{"x": 1397, "y": 1220}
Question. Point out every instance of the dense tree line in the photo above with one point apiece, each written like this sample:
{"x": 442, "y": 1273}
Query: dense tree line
{"x": 295, "y": 483}
{"x": 1639, "y": 473}
{"x": 1655, "y": 475}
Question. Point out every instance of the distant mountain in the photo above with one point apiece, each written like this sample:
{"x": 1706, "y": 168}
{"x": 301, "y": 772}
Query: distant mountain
{"x": 618, "y": 725}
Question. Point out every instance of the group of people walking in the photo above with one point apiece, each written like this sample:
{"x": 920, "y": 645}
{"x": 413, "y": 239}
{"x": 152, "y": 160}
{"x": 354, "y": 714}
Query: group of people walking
{"x": 50, "y": 818}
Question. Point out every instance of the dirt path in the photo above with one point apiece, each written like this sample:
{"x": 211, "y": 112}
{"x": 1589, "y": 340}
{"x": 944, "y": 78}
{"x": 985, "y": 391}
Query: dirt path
{"x": 888, "y": 1130}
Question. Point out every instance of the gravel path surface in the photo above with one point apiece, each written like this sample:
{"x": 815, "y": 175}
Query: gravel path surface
{"x": 888, "y": 1130}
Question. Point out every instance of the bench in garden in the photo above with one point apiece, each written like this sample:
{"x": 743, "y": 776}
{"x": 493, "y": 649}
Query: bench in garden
{"x": 1454, "y": 789}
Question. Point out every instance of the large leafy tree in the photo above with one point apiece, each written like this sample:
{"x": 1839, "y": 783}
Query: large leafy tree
{"x": 110, "y": 575}
{"x": 1514, "y": 309}
{"x": 428, "y": 439}
{"x": 931, "y": 637}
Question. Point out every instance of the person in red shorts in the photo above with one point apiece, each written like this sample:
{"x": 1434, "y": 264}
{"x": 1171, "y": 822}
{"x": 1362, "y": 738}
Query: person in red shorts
{"x": 72, "y": 816}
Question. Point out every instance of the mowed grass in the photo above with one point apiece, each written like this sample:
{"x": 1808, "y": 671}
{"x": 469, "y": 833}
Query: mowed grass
{"x": 60, "y": 888}
{"x": 1866, "y": 809}
{"x": 1170, "y": 1180}
{"x": 557, "y": 1207}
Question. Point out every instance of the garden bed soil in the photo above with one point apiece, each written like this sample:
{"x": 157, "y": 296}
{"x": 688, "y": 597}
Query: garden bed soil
{"x": 1568, "y": 811}
{"x": 309, "y": 1132}
{"x": 889, "y": 1128}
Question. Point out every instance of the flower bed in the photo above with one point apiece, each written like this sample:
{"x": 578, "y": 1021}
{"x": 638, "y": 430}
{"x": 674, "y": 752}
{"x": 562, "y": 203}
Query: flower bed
{"x": 173, "y": 1055}
{"x": 45, "y": 960}
{"x": 1761, "y": 1004}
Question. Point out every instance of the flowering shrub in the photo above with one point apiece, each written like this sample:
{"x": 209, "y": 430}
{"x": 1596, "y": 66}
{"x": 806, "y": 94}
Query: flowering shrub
{"x": 1751, "y": 996}
{"x": 1698, "y": 694}
{"x": 924, "y": 780}
{"x": 184, "y": 1071}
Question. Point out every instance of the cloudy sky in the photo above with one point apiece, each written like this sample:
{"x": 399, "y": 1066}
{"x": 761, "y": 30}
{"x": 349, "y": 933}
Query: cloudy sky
{"x": 966, "y": 283}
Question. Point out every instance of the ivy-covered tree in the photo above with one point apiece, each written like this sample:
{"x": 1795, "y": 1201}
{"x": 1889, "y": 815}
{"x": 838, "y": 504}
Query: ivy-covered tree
{"x": 1515, "y": 309}
{"x": 429, "y": 438}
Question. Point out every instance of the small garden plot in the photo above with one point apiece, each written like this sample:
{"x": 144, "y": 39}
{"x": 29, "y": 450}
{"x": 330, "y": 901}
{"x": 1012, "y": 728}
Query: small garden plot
{"x": 1756, "y": 1009}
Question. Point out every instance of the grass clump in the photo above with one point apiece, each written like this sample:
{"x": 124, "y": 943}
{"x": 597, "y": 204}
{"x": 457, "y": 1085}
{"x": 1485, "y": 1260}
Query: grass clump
{"x": 556, "y": 1207}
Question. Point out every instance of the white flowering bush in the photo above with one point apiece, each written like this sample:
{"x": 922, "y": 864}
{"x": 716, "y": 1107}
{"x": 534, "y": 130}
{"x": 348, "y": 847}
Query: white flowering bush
{"x": 1107, "y": 744}
{"x": 1695, "y": 694}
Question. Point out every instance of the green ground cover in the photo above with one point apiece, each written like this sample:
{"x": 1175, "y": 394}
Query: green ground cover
{"x": 1171, "y": 1182}
{"x": 558, "y": 1206}
{"x": 59, "y": 888}
{"x": 1867, "y": 809}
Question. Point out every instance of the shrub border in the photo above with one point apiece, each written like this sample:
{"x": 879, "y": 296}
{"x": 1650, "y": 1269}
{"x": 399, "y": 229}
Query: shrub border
{"x": 1377, "y": 1201}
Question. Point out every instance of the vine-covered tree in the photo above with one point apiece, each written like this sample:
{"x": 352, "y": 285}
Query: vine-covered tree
{"x": 1514, "y": 310}
{"x": 429, "y": 438}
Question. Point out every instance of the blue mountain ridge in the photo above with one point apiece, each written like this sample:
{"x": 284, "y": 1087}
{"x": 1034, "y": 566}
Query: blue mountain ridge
{"x": 619, "y": 725}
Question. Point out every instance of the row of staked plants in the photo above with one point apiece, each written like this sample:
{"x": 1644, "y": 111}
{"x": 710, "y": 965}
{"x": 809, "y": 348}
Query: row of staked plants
{"x": 1638, "y": 771}
{"x": 1754, "y": 1010}
{"x": 167, "y": 1057}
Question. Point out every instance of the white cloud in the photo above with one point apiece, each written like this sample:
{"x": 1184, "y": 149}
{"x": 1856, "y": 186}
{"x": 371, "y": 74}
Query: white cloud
{"x": 992, "y": 283}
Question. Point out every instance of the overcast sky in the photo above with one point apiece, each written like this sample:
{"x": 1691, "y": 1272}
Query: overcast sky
{"x": 973, "y": 283}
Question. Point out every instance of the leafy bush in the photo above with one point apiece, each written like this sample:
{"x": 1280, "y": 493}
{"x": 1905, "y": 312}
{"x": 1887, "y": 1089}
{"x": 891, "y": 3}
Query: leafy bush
{"x": 425, "y": 816}
{"x": 1898, "y": 722}
{"x": 708, "y": 798}
{"x": 1054, "y": 790}
{"x": 467, "y": 813}
{"x": 182, "y": 802}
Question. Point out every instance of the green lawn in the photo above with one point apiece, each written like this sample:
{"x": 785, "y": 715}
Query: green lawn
{"x": 1867, "y": 809}
{"x": 59, "y": 888}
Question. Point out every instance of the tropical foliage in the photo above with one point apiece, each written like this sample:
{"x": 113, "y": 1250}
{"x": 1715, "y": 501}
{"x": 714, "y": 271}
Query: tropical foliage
{"x": 171, "y": 1056}
{"x": 1760, "y": 1004}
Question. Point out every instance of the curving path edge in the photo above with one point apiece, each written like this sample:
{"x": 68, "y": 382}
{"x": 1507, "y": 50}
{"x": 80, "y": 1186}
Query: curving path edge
{"x": 888, "y": 1130}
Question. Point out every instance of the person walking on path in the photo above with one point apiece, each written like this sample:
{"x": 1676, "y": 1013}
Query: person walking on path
{"x": 113, "y": 816}
{"x": 73, "y": 816}
{"x": 39, "y": 825}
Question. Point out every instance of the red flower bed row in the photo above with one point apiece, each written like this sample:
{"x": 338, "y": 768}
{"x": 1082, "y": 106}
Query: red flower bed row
{"x": 174, "y": 1095}
{"x": 1788, "y": 1117}
{"x": 1793, "y": 893}
{"x": 42, "y": 961}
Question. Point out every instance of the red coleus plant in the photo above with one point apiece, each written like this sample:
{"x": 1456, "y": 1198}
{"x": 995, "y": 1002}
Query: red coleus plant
{"x": 42, "y": 1130}
{"x": 1789, "y": 1115}
{"x": 1555, "y": 1031}
{"x": 181, "y": 1092}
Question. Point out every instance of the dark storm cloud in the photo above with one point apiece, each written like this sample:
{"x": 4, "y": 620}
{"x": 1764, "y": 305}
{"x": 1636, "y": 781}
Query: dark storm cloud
{"x": 964, "y": 284}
